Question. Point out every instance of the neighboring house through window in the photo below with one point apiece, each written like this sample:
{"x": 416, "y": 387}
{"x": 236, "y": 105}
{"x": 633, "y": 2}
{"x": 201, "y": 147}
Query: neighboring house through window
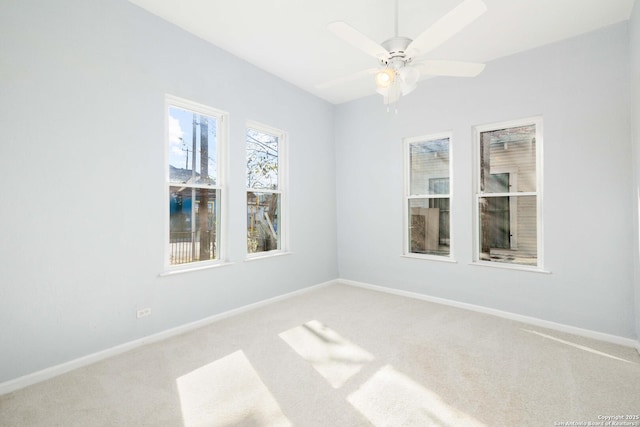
{"x": 194, "y": 187}
{"x": 508, "y": 193}
{"x": 428, "y": 196}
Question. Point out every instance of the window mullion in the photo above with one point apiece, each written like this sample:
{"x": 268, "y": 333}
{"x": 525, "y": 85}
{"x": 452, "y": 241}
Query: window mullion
{"x": 428, "y": 196}
{"x": 520, "y": 193}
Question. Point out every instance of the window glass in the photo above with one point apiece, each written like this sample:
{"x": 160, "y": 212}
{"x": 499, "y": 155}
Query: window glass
{"x": 262, "y": 160}
{"x": 428, "y": 159}
{"x": 192, "y": 147}
{"x": 263, "y": 222}
{"x": 192, "y": 235}
{"x": 513, "y": 150}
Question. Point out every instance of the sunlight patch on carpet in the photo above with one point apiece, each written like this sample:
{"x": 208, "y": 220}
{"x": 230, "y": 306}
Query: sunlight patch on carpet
{"x": 334, "y": 357}
{"x": 390, "y": 398}
{"x": 227, "y": 392}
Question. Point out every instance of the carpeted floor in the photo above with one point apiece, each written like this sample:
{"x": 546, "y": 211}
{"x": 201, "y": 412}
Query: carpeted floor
{"x": 345, "y": 356}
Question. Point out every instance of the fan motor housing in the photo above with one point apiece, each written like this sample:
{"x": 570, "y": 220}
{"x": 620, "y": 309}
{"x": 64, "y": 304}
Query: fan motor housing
{"x": 396, "y": 47}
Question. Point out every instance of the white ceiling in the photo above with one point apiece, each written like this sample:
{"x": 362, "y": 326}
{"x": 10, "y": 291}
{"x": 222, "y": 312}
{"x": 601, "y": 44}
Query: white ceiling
{"x": 289, "y": 38}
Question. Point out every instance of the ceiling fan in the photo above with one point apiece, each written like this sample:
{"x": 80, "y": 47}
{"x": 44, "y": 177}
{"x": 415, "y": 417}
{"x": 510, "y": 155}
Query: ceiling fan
{"x": 398, "y": 74}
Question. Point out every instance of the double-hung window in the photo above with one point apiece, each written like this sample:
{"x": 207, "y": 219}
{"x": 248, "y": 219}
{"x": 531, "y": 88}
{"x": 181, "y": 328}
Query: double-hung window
{"x": 266, "y": 181}
{"x": 428, "y": 196}
{"x": 195, "y": 140}
{"x": 508, "y": 200}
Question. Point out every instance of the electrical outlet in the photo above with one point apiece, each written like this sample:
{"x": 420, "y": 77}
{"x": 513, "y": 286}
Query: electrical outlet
{"x": 143, "y": 312}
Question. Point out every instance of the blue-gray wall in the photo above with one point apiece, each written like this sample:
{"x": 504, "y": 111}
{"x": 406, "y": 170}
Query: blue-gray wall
{"x": 82, "y": 91}
{"x": 581, "y": 89}
{"x": 634, "y": 49}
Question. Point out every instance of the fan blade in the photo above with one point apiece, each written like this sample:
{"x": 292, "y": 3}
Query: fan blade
{"x": 354, "y": 37}
{"x": 450, "y": 68}
{"x": 347, "y": 79}
{"x": 446, "y": 27}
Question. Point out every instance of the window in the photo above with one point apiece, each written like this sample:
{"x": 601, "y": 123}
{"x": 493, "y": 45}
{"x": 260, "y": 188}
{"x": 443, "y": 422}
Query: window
{"x": 428, "y": 196}
{"x": 194, "y": 141}
{"x": 265, "y": 190}
{"x": 508, "y": 193}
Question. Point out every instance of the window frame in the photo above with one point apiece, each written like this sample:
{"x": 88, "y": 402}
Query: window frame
{"x": 222, "y": 138}
{"x": 283, "y": 177}
{"x": 407, "y": 142}
{"x": 537, "y": 121}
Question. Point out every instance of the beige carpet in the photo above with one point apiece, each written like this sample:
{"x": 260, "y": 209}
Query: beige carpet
{"x": 344, "y": 356}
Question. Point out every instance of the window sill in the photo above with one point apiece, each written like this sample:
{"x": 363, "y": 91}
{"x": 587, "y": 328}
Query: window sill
{"x": 273, "y": 254}
{"x": 194, "y": 268}
{"x": 430, "y": 258}
{"x": 510, "y": 267}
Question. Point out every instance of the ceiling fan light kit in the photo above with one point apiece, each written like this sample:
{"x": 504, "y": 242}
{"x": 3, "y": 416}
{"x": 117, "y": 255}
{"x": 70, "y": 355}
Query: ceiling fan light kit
{"x": 399, "y": 74}
{"x": 393, "y": 83}
{"x": 384, "y": 78}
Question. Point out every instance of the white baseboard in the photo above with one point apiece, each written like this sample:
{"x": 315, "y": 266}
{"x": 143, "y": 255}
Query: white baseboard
{"x": 614, "y": 339}
{"x": 45, "y": 374}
